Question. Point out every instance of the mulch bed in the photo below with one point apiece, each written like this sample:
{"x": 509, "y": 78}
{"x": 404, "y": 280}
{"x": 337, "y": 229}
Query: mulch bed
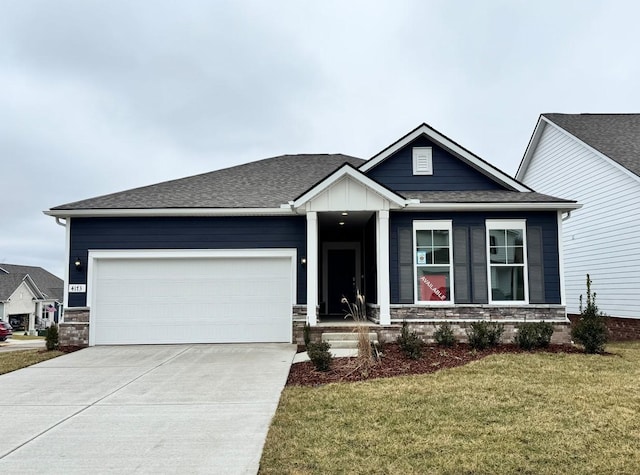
{"x": 69, "y": 348}
{"x": 395, "y": 363}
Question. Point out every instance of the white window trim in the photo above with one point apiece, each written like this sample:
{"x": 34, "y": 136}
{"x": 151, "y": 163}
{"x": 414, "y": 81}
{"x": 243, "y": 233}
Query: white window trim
{"x": 416, "y": 151}
{"x": 492, "y": 224}
{"x": 429, "y": 226}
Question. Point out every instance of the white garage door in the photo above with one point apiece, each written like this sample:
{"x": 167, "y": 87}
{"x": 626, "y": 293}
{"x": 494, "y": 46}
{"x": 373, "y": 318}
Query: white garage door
{"x": 213, "y": 299}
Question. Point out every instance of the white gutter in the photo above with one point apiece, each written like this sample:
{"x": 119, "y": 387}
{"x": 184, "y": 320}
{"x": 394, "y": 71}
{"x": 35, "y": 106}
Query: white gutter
{"x": 567, "y": 207}
{"x": 68, "y": 213}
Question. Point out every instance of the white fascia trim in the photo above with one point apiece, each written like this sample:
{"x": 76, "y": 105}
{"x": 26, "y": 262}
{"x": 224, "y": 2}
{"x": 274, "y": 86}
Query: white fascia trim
{"x": 594, "y": 151}
{"x": 31, "y": 287}
{"x": 492, "y": 206}
{"x": 347, "y": 170}
{"x": 280, "y": 211}
{"x": 563, "y": 295}
{"x": 448, "y": 144}
{"x": 531, "y": 146}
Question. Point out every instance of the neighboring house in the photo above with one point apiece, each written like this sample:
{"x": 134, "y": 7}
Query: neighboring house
{"x": 594, "y": 158}
{"x": 428, "y": 231}
{"x": 29, "y": 296}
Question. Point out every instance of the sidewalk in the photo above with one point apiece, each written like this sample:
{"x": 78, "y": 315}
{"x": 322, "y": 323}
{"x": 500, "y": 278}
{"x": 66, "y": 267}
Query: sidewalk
{"x": 12, "y": 344}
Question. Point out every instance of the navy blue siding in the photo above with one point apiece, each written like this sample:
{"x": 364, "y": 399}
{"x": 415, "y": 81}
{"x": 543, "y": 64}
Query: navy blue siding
{"x": 547, "y": 221}
{"x": 185, "y": 233}
{"x": 449, "y": 172}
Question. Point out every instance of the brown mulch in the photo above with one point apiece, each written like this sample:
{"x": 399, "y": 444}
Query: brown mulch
{"x": 395, "y": 363}
{"x": 69, "y": 348}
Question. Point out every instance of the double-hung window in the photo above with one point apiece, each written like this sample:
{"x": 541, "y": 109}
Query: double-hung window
{"x": 432, "y": 262}
{"x": 507, "y": 261}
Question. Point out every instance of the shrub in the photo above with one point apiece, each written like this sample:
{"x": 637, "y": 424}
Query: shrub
{"x": 320, "y": 355}
{"x": 591, "y": 329}
{"x": 534, "y": 335}
{"x": 410, "y": 343}
{"x": 484, "y": 334}
{"x": 52, "y": 339}
{"x": 545, "y": 332}
{"x": 444, "y": 335}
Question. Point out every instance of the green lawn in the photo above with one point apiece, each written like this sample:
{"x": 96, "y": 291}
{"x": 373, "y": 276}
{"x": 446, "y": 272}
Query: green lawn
{"x": 521, "y": 413}
{"x": 22, "y": 336}
{"x": 13, "y": 360}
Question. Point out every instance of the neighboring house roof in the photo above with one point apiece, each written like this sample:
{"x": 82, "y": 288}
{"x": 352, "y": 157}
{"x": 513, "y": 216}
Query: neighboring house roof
{"x": 266, "y": 183}
{"x": 9, "y": 283}
{"x": 616, "y": 136}
{"x": 12, "y": 275}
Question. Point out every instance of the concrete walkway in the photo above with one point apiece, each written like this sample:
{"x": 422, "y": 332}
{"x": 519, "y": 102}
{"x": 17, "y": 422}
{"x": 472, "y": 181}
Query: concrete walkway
{"x": 143, "y": 409}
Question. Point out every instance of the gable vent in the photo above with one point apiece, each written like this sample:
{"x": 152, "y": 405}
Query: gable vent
{"x": 422, "y": 161}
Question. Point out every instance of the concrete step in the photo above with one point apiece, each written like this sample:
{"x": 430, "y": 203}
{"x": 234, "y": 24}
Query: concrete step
{"x": 346, "y": 336}
{"x": 346, "y": 340}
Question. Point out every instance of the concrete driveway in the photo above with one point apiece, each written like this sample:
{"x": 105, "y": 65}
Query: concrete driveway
{"x": 143, "y": 409}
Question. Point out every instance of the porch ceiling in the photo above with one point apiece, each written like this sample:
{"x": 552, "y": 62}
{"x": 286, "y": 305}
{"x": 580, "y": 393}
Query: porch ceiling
{"x": 354, "y": 220}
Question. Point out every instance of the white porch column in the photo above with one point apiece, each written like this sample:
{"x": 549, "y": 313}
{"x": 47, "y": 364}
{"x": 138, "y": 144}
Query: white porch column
{"x": 312, "y": 267}
{"x": 384, "y": 299}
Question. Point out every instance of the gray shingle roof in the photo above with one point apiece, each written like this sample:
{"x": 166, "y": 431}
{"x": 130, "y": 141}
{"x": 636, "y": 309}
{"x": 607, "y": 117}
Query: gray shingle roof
{"x": 48, "y": 283}
{"x": 615, "y": 135}
{"x": 9, "y": 283}
{"x": 266, "y": 183}
{"x": 482, "y": 197}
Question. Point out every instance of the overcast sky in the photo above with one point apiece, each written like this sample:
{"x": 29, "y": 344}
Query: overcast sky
{"x": 103, "y": 96}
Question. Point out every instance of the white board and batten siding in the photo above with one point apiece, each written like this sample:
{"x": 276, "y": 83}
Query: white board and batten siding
{"x": 347, "y": 194}
{"x": 166, "y": 297}
{"x": 603, "y": 237}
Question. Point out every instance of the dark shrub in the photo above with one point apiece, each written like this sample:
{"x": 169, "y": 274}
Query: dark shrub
{"x": 410, "y": 343}
{"x": 484, "y": 334}
{"x": 444, "y": 335}
{"x": 52, "y": 339}
{"x": 534, "y": 335}
{"x": 320, "y": 355}
{"x": 545, "y": 332}
{"x": 591, "y": 329}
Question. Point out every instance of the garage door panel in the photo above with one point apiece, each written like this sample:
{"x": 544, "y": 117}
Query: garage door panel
{"x": 211, "y": 300}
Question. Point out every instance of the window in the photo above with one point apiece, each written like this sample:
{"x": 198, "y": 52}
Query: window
{"x": 507, "y": 267}
{"x": 422, "y": 161}
{"x": 432, "y": 262}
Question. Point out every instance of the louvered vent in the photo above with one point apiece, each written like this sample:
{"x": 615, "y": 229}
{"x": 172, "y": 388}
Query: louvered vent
{"x": 422, "y": 161}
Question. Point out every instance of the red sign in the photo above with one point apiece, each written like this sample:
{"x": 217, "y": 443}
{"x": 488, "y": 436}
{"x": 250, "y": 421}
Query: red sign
{"x": 433, "y": 287}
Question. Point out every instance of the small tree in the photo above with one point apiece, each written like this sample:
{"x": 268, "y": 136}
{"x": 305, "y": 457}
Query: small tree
{"x": 52, "y": 339}
{"x": 591, "y": 329}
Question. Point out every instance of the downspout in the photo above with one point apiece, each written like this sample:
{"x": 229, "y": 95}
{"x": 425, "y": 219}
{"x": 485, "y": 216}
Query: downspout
{"x": 567, "y": 216}
{"x": 65, "y": 297}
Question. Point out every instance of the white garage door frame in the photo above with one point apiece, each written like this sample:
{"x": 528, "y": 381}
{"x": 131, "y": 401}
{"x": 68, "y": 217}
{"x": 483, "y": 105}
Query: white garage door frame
{"x": 95, "y": 256}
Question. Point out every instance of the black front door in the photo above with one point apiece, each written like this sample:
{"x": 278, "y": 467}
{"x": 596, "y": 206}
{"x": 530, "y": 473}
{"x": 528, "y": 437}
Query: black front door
{"x": 341, "y": 278}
